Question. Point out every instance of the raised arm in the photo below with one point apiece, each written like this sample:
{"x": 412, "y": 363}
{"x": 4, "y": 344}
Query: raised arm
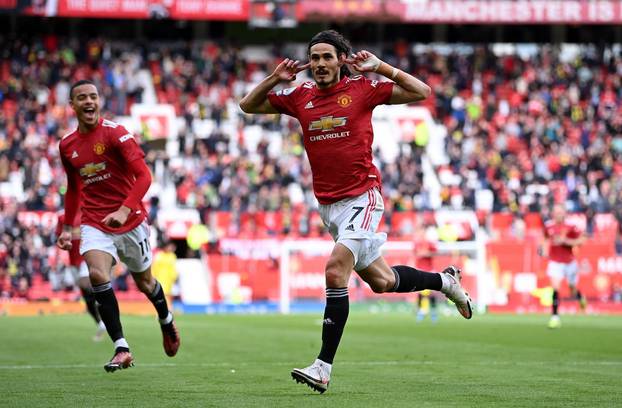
{"x": 407, "y": 88}
{"x": 256, "y": 101}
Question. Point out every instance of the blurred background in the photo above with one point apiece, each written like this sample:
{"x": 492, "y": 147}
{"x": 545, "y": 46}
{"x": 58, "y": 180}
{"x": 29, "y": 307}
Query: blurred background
{"x": 526, "y": 112}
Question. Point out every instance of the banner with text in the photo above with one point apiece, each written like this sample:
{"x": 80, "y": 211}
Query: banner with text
{"x": 144, "y": 9}
{"x": 467, "y": 11}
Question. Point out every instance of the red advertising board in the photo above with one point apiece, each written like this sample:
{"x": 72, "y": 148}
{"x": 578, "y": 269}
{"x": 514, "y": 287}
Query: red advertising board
{"x": 507, "y": 11}
{"x": 105, "y": 8}
{"x": 141, "y": 9}
{"x": 8, "y": 5}
{"x": 231, "y": 10}
{"x": 405, "y": 11}
{"x": 514, "y": 280}
{"x": 517, "y": 274}
{"x": 314, "y": 10}
{"x": 467, "y": 11}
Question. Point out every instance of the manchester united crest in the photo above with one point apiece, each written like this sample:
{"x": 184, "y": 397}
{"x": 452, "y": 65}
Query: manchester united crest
{"x": 344, "y": 100}
{"x": 99, "y": 148}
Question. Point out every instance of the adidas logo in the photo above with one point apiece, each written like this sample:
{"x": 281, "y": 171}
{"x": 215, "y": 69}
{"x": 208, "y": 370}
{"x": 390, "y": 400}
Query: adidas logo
{"x": 74, "y": 154}
{"x": 328, "y": 321}
{"x": 350, "y": 227}
{"x": 309, "y": 105}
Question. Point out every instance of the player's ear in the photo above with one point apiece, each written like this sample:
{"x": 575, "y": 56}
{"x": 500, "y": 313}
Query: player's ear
{"x": 341, "y": 58}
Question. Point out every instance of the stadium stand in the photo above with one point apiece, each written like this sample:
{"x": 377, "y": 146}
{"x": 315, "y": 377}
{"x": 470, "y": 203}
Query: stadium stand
{"x": 525, "y": 126}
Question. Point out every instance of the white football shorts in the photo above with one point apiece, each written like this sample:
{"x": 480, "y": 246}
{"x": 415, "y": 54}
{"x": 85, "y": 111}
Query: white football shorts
{"x": 353, "y": 222}
{"x": 561, "y": 270}
{"x": 132, "y": 248}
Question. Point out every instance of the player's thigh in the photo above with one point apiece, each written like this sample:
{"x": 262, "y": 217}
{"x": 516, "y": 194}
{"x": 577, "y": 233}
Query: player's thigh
{"x": 339, "y": 267}
{"x": 99, "y": 252}
{"x": 555, "y": 272}
{"x": 93, "y": 242}
{"x": 100, "y": 265}
{"x": 135, "y": 249}
{"x": 378, "y": 275}
{"x": 571, "y": 272}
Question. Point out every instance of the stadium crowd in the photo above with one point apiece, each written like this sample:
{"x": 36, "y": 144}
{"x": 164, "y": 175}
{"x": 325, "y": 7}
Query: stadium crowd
{"x": 531, "y": 129}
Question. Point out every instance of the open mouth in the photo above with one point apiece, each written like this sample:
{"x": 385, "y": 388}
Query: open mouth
{"x": 89, "y": 113}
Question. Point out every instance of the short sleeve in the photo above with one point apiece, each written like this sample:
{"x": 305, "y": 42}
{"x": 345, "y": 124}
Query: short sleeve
{"x": 376, "y": 92}
{"x": 126, "y": 144}
{"x": 284, "y": 100}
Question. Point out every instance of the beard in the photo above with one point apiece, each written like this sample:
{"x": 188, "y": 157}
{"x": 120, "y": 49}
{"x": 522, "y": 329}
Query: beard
{"x": 326, "y": 78}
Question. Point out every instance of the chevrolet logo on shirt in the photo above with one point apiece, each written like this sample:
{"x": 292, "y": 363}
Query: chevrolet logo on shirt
{"x": 91, "y": 169}
{"x": 326, "y": 123}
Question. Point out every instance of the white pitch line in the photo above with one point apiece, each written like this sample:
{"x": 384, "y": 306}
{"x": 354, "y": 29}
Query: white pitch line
{"x": 342, "y": 363}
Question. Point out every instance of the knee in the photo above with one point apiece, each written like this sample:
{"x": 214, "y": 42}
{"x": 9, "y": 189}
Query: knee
{"x": 85, "y": 285}
{"x": 336, "y": 275}
{"x": 334, "y": 278}
{"x": 97, "y": 275}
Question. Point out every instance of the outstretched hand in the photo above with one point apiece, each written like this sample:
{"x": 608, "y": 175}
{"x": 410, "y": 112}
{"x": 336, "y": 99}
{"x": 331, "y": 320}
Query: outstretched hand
{"x": 286, "y": 71}
{"x": 364, "y": 61}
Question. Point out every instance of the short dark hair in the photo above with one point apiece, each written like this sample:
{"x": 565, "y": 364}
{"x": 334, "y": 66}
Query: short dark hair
{"x": 78, "y": 83}
{"x": 335, "y": 39}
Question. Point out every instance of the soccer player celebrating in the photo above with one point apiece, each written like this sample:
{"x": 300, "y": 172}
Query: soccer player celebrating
{"x": 107, "y": 174}
{"x": 335, "y": 112}
{"x": 80, "y": 273}
{"x": 560, "y": 240}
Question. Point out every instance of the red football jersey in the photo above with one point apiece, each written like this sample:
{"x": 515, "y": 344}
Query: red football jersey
{"x": 560, "y": 253}
{"x": 338, "y": 134}
{"x": 97, "y": 160}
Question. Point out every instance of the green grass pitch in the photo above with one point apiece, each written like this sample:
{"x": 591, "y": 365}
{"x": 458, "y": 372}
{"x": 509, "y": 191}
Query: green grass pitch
{"x": 385, "y": 360}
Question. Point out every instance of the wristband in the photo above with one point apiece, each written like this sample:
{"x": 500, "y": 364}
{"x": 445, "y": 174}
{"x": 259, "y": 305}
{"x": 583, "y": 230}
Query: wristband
{"x": 371, "y": 62}
{"x": 394, "y": 72}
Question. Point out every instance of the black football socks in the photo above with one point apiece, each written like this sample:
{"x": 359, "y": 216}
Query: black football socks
{"x": 109, "y": 311}
{"x": 158, "y": 300}
{"x": 335, "y": 317}
{"x": 408, "y": 279}
{"x": 555, "y": 301}
{"x": 91, "y": 307}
